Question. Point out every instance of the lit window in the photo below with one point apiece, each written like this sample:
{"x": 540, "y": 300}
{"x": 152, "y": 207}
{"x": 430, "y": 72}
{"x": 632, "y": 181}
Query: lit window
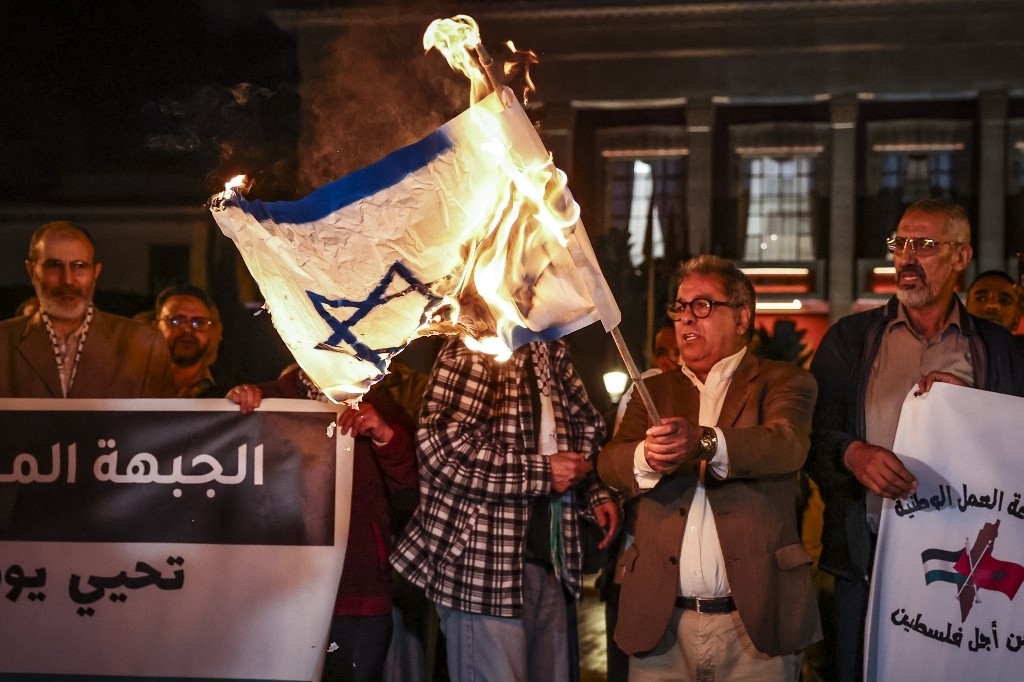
{"x": 779, "y": 176}
{"x": 780, "y": 217}
{"x": 646, "y": 168}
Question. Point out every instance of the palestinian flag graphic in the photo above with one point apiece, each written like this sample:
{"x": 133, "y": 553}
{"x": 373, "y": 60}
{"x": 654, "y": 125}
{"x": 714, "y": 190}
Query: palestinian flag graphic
{"x": 973, "y": 570}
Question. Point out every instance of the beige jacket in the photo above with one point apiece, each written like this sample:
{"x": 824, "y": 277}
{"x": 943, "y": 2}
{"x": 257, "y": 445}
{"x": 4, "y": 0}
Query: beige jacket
{"x": 766, "y": 421}
{"x": 121, "y": 359}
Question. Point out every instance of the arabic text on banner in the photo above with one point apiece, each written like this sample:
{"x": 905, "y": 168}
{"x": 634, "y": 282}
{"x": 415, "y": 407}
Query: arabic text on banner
{"x": 946, "y": 599}
{"x": 134, "y": 531}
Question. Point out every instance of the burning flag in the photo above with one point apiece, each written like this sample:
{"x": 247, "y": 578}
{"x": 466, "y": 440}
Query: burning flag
{"x": 469, "y": 231}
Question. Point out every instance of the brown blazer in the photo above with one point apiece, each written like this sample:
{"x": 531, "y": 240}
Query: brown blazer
{"x": 121, "y": 359}
{"x": 766, "y": 422}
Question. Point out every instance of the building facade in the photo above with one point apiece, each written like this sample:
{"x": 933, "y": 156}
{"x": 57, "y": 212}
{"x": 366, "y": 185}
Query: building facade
{"x": 785, "y": 134}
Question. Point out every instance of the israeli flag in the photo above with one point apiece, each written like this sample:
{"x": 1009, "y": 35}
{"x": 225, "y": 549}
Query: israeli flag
{"x": 469, "y": 231}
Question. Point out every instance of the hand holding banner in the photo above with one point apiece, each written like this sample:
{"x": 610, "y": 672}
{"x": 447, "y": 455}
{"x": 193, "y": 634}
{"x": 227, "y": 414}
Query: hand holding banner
{"x": 949, "y": 562}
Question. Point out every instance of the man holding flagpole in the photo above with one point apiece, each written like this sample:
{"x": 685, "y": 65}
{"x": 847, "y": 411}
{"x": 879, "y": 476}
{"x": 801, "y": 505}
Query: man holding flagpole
{"x": 506, "y": 480}
{"x": 717, "y": 584}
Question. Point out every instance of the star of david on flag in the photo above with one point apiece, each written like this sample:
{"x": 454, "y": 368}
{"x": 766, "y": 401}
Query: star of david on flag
{"x": 469, "y": 231}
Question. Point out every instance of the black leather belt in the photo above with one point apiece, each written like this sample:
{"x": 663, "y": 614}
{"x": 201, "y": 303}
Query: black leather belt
{"x": 713, "y": 605}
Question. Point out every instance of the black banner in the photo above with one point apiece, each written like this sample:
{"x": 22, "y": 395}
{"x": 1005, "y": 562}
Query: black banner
{"x": 210, "y": 477}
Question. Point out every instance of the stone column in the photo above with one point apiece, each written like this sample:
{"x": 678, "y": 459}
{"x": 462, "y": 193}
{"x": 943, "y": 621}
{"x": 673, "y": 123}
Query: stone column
{"x": 842, "y": 278}
{"x": 991, "y": 228}
{"x": 556, "y": 131}
{"x": 700, "y": 116}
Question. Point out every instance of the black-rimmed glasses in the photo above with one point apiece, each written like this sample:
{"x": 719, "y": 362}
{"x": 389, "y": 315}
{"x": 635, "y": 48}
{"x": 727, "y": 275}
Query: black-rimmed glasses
{"x": 199, "y": 324}
{"x": 700, "y": 306}
{"x": 922, "y": 246}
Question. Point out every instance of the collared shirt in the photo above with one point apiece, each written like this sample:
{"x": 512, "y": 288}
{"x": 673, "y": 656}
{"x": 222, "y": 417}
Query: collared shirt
{"x": 904, "y": 356}
{"x": 69, "y": 354}
{"x": 701, "y": 563}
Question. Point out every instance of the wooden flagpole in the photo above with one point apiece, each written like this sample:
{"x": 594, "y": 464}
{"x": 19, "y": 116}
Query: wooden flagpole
{"x": 634, "y": 373}
{"x": 496, "y": 81}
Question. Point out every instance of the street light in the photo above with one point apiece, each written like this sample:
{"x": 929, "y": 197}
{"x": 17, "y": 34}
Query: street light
{"x": 615, "y": 384}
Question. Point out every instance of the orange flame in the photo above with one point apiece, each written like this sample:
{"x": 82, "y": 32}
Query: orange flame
{"x": 525, "y": 231}
{"x": 458, "y": 39}
{"x": 518, "y": 66}
{"x": 239, "y": 182}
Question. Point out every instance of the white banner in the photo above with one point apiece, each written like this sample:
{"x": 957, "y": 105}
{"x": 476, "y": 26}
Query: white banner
{"x": 169, "y": 538}
{"x": 950, "y": 559}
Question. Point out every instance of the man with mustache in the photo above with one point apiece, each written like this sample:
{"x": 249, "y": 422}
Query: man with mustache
{"x": 865, "y": 366}
{"x": 187, "y": 318}
{"x": 69, "y": 348}
{"x": 994, "y": 296}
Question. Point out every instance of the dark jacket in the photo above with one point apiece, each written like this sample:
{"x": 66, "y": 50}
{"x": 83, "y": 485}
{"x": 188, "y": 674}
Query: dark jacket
{"x": 384, "y": 494}
{"x": 842, "y": 365}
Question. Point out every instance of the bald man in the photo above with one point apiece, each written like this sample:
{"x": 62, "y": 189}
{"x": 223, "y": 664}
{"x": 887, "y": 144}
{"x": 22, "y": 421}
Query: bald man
{"x": 68, "y": 348}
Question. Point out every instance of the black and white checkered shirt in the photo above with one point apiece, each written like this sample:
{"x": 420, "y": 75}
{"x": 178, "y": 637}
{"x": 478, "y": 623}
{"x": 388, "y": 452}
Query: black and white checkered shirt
{"x": 480, "y": 471}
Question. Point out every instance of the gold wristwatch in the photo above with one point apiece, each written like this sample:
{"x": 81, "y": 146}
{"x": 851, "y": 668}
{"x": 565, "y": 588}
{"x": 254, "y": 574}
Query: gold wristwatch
{"x": 707, "y": 444}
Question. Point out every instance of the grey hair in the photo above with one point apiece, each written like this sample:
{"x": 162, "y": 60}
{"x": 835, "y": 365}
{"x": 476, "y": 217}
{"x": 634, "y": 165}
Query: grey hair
{"x": 738, "y": 287}
{"x": 957, "y": 226}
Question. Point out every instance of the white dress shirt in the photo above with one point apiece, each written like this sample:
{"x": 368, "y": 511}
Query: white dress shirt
{"x": 701, "y": 564}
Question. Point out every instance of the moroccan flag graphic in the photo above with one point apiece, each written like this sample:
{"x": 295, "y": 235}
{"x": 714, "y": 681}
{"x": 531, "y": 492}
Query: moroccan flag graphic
{"x": 978, "y": 570}
{"x": 993, "y": 574}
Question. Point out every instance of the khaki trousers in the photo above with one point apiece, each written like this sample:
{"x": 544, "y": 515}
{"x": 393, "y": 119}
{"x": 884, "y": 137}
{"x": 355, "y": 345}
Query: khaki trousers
{"x": 699, "y": 647}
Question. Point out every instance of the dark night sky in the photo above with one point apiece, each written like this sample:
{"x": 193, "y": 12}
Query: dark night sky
{"x": 124, "y": 88}
{"x": 154, "y": 101}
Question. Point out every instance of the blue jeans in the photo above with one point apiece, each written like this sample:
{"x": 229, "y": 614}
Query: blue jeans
{"x": 528, "y": 649}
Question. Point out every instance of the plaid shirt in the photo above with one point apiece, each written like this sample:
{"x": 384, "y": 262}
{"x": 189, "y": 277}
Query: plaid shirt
{"x": 480, "y": 472}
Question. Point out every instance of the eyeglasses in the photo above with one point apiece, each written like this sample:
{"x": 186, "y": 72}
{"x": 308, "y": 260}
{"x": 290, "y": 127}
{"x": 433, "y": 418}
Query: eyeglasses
{"x": 919, "y": 245}
{"x": 52, "y": 266}
{"x": 700, "y": 306}
{"x": 199, "y": 324}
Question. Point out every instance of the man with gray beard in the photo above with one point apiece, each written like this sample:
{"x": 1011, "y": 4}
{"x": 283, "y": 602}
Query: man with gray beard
{"x": 69, "y": 348}
{"x": 865, "y": 366}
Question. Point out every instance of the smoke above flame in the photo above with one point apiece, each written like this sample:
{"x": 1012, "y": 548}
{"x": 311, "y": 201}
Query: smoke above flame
{"x": 372, "y": 92}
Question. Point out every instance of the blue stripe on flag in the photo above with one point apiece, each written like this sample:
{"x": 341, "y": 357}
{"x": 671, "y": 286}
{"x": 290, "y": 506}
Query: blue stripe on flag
{"x": 520, "y": 336}
{"x": 354, "y": 187}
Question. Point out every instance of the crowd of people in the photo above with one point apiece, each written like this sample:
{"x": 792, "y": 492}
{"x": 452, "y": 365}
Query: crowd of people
{"x": 484, "y": 485}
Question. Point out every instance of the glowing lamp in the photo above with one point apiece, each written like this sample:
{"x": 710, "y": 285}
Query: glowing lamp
{"x": 615, "y": 384}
